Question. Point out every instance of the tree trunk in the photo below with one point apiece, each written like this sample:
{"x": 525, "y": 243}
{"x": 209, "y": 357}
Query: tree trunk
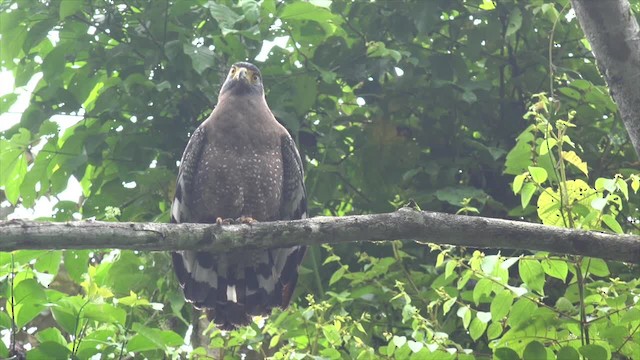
{"x": 613, "y": 32}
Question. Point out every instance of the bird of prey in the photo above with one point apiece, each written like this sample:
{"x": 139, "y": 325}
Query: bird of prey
{"x": 240, "y": 163}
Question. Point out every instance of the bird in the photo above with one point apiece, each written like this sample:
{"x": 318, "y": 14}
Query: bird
{"x": 240, "y": 165}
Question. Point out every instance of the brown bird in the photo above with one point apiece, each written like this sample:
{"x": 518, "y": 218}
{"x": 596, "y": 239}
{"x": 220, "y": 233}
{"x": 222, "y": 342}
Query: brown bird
{"x": 241, "y": 164}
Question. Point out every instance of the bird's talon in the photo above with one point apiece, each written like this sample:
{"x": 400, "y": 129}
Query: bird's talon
{"x": 246, "y": 220}
{"x": 220, "y": 221}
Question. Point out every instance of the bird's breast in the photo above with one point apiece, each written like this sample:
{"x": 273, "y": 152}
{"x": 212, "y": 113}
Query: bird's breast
{"x": 240, "y": 181}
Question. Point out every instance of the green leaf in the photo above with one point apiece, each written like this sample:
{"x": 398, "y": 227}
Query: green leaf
{"x": 147, "y": 338}
{"x": 76, "y": 262}
{"x": 606, "y": 184}
{"x": 534, "y": 351}
{"x": 415, "y": 346}
{"x": 482, "y": 290}
{"x": 6, "y": 101}
{"x": 224, "y": 16}
{"x": 564, "y": 305}
{"x": 446, "y": 306}
{"x": 29, "y": 299}
{"x": 501, "y": 304}
{"x": 630, "y": 316}
{"x": 399, "y": 341}
{"x": 468, "y": 96}
{"x": 520, "y": 312}
{"x": 455, "y": 195}
{"x": 518, "y": 181}
{"x": 623, "y": 187}
{"x": 568, "y": 353}
{"x": 201, "y": 57}
{"x": 4, "y": 352}
{"x": 379, "y": 49}
{"x": 51, "y": 334}
{"x": 599, "y": 203}
{"x": 515, "y": 21}
{"x": 527, "y": 193}
{"x": 556, "y": 268}
{"x": 49, "y": 350}
{"x": 98, "y": 342}
{"x": 338, "y": 274}
{"x": 494, "y": 330}
{"x": 105, "y": 313}
{"x": 594, "y": 352}
{"x": 595, "y": 266}
{"x": 53, "y": 65}
{"x": 538, "y": 174}
{"x": 532, "y": 274}
{"x": 13, "y": 163}
{"x": 449, "y": 268}
{"x": 331, "y": 258}
{"x": 307, "y": 11}
{"x": 65, "y": 312}
{"x": 307, "y": 89}
{"x": 333, "y": 335}
{"x": 547, "y": 145}
{"x": 506, "y": 353}
{"x": 465, "y": 314}
{"x": 483, "y": 316}
{"x": 70, "y": 7}
{"x": 612, "y": 223}
{"x": 49, "y": 262}
{"x": 477, "y": 328}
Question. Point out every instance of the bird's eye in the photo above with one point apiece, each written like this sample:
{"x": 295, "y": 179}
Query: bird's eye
{"x": 233, "y": 70}
{"x": 255, "y": 77}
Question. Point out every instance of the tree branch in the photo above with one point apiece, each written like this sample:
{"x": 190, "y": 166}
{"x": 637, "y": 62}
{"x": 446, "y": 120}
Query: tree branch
{"x": 404, "y": 224}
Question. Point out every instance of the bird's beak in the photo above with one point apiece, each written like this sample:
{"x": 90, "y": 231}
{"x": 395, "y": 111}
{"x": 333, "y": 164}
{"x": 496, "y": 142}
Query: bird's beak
{"x": 241, "y": 74}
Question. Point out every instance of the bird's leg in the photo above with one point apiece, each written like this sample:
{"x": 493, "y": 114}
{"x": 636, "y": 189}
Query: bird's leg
{"x": 246, "y": 220}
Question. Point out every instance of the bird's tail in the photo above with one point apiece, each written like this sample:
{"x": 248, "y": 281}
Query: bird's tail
{"x": 235, "y": 286}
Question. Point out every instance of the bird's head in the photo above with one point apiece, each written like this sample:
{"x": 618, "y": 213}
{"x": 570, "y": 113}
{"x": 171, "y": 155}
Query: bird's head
{"x": 243, "y": 79}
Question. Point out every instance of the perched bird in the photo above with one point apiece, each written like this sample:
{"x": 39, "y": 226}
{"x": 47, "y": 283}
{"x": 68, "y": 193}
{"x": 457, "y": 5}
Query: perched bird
{"x": 240, "y": 163}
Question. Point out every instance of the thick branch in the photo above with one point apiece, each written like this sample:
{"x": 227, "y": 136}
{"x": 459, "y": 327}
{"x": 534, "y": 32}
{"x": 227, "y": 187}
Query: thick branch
{"x": 614, "y": 35}
{"x": 404, "y": 224}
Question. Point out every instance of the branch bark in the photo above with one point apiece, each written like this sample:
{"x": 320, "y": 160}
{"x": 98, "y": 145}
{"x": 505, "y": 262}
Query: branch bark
{"x": 614, "y": 35}
{"x": 404, "y": 224}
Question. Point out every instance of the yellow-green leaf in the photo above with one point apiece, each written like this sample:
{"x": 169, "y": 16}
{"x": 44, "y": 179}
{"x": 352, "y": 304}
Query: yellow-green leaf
{"x": 623, "y": 187}
{"x": 635, "y": 183}
{"x": 579, "y": 193}
{"x": 518, "y": 181}
{"x": 572, "y": 158}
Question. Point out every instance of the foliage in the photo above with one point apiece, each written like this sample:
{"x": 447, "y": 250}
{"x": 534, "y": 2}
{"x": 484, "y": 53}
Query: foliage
{"x": 389, "y": 101}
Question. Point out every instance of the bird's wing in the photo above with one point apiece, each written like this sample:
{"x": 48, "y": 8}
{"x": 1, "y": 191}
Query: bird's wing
{"x": 184, "y": 261}
{"x": 293, "y": 206}
{"x": 186, "y": 174}
{"x": 294, "y": 195}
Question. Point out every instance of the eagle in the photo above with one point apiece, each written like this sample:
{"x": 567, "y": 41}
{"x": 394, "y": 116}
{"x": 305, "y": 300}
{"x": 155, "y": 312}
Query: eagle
{"x": 240, "y": 165}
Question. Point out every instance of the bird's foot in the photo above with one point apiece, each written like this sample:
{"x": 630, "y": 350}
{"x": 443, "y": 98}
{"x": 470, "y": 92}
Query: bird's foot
{"x": 246, "y": 220}
{"x": 221, "y": 221}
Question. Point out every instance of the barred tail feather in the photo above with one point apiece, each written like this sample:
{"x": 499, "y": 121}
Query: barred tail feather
{"x": 230, "y": 292}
